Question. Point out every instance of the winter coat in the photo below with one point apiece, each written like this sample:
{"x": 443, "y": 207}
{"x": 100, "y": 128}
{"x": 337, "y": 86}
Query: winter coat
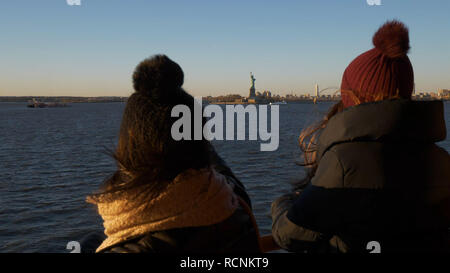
{"x": 381, "y": 180}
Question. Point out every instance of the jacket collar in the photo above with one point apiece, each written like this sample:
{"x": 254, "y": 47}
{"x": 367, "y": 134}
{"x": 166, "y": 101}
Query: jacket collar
{"x": 396, "y": 120}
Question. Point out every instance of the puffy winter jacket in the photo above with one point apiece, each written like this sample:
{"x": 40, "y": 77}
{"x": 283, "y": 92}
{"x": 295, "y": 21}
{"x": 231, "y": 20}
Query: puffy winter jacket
{"x": 380, "y": 178}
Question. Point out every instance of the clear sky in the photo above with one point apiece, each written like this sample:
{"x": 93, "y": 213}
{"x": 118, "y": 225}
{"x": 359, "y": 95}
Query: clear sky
{"x": 50, "y": 48}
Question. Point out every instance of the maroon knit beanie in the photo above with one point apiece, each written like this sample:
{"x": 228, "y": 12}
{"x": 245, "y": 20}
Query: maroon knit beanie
{"x": 382, "y": 72}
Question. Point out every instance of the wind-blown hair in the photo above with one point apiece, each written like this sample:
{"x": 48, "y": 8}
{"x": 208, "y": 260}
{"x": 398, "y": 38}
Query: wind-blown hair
{"x": 309, "y": 136}
{"x": 308, "y": 144}
{"x": 147, "y": 156}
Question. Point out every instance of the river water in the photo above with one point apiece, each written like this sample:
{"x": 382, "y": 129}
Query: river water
{"x": 51, "y": 158}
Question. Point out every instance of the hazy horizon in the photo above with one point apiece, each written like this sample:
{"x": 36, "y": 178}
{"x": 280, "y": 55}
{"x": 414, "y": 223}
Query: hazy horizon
{"x": 49, "y": 48}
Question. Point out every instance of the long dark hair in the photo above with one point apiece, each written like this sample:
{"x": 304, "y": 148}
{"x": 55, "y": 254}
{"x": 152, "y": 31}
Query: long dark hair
{"x": 147, "y": 156}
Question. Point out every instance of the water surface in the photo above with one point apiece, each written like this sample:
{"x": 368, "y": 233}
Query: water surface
{"x": 51, "y": 158}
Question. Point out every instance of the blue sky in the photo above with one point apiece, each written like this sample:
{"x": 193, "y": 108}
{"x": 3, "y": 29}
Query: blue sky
{"x": 50, "y": 48}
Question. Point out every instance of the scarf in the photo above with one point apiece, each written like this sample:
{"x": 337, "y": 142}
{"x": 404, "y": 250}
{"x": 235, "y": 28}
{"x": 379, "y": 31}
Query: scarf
{"x": 194, "y": 198}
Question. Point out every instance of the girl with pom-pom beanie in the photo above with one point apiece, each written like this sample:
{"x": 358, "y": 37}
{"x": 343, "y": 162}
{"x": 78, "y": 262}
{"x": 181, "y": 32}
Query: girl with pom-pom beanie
{"x": 376, "y": 179}
{"x": 169, "y": 195}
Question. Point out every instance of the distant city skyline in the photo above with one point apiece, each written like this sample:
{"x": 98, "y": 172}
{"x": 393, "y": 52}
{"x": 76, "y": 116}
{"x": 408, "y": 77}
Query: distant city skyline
{"x": 48, "y": 48}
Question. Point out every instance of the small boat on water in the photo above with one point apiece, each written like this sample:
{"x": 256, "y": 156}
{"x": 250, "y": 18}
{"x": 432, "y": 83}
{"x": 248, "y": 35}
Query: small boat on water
{"x": 278, "y": 103}
{"x": 37, "y": 104}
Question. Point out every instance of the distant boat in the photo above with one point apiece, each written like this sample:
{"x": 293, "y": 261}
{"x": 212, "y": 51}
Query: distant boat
{"x": 278, "y": 103}
{"x": 37, "y": 104}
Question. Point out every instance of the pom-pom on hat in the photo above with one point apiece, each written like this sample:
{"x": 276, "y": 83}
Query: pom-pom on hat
{"x": 159, "y": 78}
{"x": 382, "y": 72}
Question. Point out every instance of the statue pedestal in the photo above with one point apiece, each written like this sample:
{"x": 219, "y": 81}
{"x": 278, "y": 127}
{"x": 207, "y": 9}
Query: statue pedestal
{"x": 252, "y": 93}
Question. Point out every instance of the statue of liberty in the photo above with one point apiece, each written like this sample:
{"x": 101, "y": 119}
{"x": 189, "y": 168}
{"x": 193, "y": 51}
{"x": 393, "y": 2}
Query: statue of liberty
{"x": 253, "y": 80}
{"x": 252, "y": 88}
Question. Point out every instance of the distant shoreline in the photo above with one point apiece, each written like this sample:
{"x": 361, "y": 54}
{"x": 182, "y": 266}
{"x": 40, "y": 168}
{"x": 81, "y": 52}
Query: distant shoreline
{"x": 62, "y": 99}
{"x": 110, "y": 99}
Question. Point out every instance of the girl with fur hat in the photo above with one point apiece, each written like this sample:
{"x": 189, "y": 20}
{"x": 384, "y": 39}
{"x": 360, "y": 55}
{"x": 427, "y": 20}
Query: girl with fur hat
{"x": 168, "y": 195}
{"x": 376, "y": 178}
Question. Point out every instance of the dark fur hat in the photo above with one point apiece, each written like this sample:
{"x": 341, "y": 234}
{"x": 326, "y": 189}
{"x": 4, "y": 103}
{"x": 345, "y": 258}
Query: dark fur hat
{"x": 159, "y": 78}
